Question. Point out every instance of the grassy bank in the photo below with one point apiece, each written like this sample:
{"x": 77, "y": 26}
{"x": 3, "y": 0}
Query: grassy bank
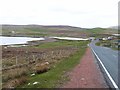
{"x": 55, "y": 77}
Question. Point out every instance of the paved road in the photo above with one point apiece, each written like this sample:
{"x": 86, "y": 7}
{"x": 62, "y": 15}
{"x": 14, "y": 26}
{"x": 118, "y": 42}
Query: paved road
{"x": 109, "y": 58}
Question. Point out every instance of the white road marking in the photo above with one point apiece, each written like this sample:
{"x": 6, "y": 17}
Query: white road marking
{"x": 108, "y": 74}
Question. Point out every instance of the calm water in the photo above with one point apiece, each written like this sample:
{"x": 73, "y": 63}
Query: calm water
{"x": 16, "y": 40}
{"x": 70, "y": 38}
{"x": 23, "y": 40}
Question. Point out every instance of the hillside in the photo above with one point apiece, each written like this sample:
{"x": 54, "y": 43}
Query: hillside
{"x": 52, "y": 30}
{"x": 40, "y": 30}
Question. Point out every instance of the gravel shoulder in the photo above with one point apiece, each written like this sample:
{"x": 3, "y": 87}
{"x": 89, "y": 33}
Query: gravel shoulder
{"x": 86, "y": 74}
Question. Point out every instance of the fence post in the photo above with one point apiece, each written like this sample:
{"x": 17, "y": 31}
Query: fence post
{"x": 33, "y": 57}
{"x": 16, "y": 60}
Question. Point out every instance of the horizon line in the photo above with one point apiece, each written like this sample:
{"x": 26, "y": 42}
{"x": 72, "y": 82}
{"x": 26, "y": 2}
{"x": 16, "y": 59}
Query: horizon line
{"x": 58, "y": 25}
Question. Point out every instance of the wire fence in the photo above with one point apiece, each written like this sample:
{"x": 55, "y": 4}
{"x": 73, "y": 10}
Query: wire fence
{"x": 35, "y": 57}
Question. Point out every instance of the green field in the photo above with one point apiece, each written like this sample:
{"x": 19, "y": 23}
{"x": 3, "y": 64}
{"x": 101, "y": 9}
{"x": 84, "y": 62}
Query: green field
{"x": 61, "y": 43}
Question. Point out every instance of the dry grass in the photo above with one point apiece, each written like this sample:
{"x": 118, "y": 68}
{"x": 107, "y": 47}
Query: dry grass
{"x": 15, "y": 82}
{"x": 41, "y": 67}
{"x": 12, "y": 77}
{"x": 14, "y": 73}
{"x": 10, "y": 56}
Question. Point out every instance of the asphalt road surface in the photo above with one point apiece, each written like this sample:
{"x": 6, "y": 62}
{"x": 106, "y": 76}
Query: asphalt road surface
{"x": 109, "y": 58}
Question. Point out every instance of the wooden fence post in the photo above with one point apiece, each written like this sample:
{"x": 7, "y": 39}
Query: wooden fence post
{"x": 16, "y": 60}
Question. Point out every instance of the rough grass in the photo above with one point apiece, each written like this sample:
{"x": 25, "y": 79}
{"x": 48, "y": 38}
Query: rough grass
{"x": 14, "y": 73}
{"x": 61, "y": 56}
{"x": 40, "y": 68}
{"x": 55, "y": 76}
{"x": 49, "y": 56}
{"x": 15, "y": 82}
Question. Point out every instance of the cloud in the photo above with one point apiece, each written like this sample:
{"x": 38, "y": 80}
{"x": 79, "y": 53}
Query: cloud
{"x": 84, "y": 13}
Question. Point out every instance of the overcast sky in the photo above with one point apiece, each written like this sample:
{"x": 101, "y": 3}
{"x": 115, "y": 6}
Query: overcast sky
{"x": 81, "y": 13}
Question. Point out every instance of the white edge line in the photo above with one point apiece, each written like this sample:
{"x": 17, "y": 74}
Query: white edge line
{"x": 111, "y": 79}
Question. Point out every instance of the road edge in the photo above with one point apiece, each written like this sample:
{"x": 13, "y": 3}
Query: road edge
{"x": 106, "y": 71}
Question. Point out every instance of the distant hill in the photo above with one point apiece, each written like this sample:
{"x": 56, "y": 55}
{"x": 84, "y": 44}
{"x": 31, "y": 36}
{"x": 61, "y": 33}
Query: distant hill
{"x": 59, "y": 27}
{"x": 53, "y": 30}
{"x": 114, "y": 27}
{"x": 43, "y": 30}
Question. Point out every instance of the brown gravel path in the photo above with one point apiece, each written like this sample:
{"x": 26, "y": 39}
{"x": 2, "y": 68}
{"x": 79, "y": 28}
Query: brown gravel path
{"x": 87, "y": 74}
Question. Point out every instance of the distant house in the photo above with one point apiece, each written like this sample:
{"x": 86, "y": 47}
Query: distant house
{"x": 13, "y": 32}
{"x": 91, "y": 38}
{"x": 110, "y": 38}
{"x": 104, "y": 38}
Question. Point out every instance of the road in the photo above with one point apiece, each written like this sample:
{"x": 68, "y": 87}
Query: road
{"x": 109, "y": 58}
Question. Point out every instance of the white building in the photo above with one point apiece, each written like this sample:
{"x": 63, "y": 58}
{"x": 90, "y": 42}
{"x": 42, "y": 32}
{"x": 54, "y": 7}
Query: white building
{"x": 104, "y": 39}
{"x": 13, "y": 32}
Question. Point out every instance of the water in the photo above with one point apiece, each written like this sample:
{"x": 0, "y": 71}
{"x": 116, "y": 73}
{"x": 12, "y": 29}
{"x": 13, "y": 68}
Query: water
{"x": 16, "y": 40}
{"x": 70, "y": 38}
{"x": 23, "y": 40}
